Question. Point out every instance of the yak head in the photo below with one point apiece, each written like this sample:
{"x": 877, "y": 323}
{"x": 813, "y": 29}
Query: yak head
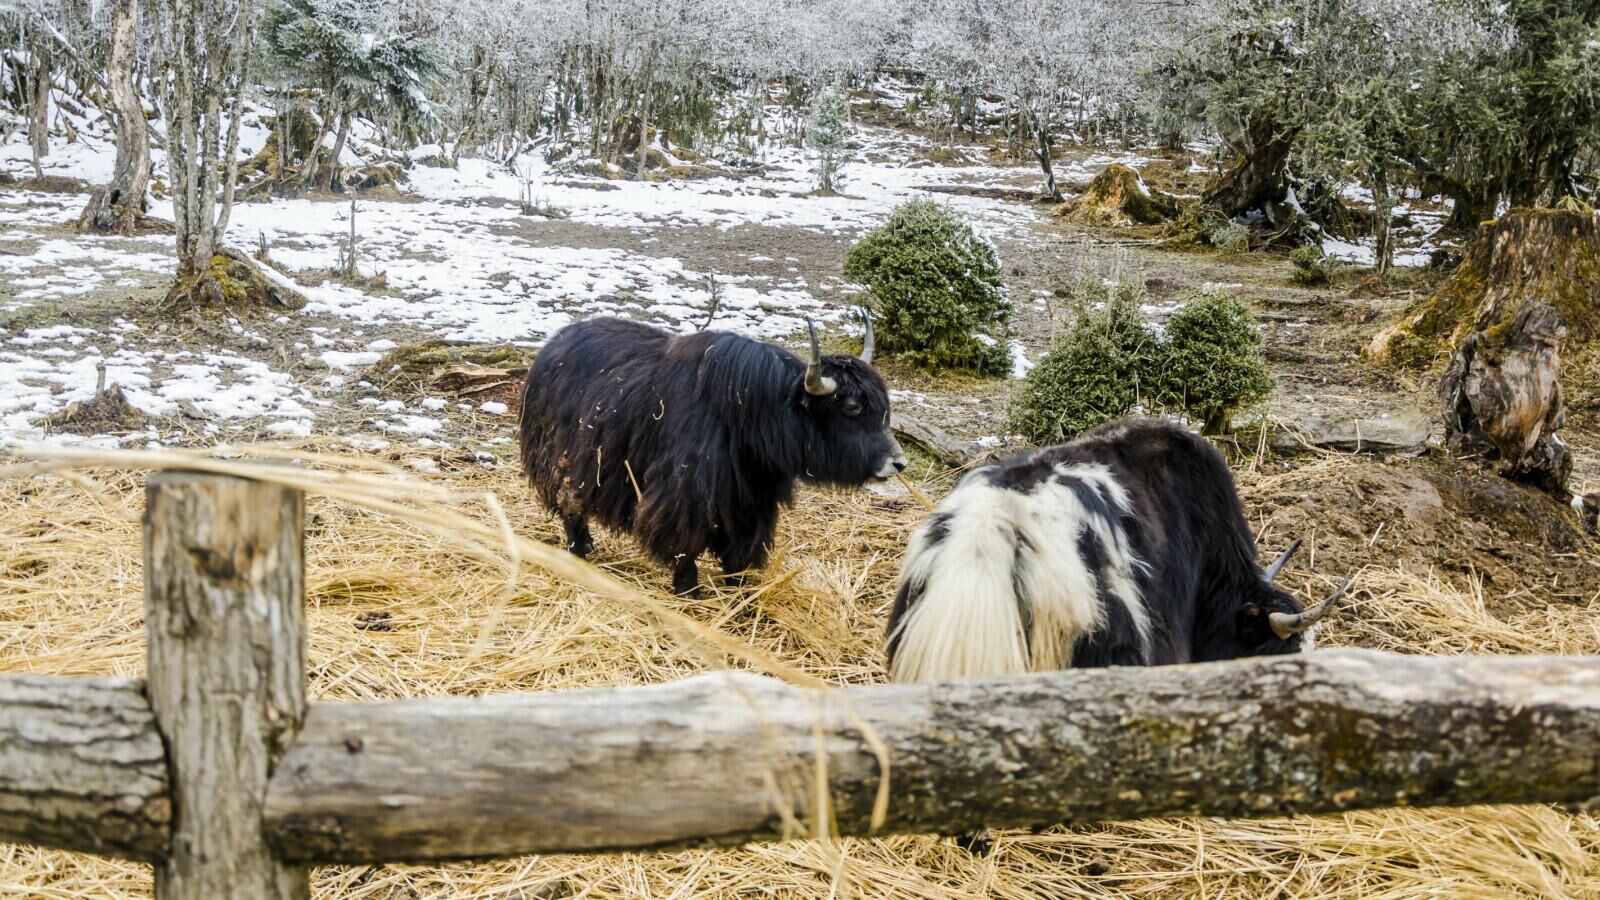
{"x": 845, "y": 403}
{"x": 1271, "y": 620}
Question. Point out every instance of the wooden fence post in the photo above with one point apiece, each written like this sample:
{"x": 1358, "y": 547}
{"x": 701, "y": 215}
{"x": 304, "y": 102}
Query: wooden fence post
{"x": 224, "y": 590}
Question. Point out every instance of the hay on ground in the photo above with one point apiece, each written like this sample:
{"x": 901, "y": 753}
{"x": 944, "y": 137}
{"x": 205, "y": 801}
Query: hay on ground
{"x": 458, "y": 623}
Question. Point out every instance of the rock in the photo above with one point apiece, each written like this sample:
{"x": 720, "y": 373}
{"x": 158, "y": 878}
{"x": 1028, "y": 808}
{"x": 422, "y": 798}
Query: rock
{"x": 385, "y": 174}
{"x": 1403, "y": 431}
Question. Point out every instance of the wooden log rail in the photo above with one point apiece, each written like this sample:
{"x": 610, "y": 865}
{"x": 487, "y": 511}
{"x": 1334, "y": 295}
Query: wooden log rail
{"x": 218, "y": 772}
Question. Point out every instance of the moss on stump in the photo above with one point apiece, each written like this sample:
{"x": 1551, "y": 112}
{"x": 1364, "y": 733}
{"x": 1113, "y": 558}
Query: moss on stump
{"x": 1118, "y": 196}
{"x": 233, "y": 281}
{"x": 1547, "y": 256}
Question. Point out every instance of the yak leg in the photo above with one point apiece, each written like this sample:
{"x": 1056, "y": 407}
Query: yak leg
{"x": 686, "y": 577}
{"x": 748, "y": 544}
{"x": 579, "y": 541}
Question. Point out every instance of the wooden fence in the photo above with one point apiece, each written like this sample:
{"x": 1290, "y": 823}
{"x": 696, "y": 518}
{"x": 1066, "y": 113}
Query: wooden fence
{"x": 216, "y": 769}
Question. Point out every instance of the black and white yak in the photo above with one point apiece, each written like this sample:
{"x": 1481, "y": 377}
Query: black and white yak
{"x": 1126, "y": 547}
{"x": 694, "y": 442}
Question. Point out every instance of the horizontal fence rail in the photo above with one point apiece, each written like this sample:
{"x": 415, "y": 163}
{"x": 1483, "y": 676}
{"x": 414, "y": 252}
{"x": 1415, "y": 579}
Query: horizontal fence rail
{"x": 719, "y": 759}
{"x": 218, "y": 772}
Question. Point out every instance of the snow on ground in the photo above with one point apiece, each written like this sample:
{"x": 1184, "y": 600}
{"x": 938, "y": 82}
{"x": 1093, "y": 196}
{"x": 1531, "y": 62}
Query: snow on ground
{"x": 461, "y": 262}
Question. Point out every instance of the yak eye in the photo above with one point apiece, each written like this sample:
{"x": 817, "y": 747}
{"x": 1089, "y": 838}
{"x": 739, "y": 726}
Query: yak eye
{"x": 852, "y": 407}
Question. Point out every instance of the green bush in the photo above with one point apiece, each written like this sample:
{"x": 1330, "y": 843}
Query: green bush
{"x": 1211, "y": 361}
{"x": 935, "y": 289}
{"x": 1311, "y": 266}
{"x": 1230, "y": 238}
{"x": 1097, "y": 371}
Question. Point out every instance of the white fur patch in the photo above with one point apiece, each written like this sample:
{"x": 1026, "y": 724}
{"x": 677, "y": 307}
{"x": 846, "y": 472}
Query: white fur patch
{"x": 969, "y": 622}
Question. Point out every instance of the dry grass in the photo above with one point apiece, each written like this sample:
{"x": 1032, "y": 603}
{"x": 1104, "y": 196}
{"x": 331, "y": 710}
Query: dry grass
{"x": 410, "y": 602}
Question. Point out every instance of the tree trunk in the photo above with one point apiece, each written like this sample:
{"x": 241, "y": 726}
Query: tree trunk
{"x": 1469, "y": 208}
{"x": 224, "y": 617}
{"x": 1383, "y": 219}
{"x": 956, "y": 454}
{"x": 334, "y": 169}
{"x": 205, "y": 161}
{"x": 1259, "y": 180}
{"x": 1041, "y": 152}
{"x": 116, "y": 207}
{"x": 312, "y": 167}
{"x": 646, "y": 76}
{"x": 181, "y": 137}
{"x": 39, "y": 120}
{"x": 82, "y": 767}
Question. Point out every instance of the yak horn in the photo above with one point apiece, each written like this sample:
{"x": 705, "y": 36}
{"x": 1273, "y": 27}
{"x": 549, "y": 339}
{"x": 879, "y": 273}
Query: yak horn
{"x": 817, "y": 384}
{"x": 1287, "y": 625}
{"x": 867, "y": 343}
{"x": 1277, "y": 565}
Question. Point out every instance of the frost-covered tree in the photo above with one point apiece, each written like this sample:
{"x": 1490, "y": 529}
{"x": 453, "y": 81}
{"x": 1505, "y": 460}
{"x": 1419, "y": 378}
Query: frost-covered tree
{"x": 206, "y": 47}
{"x": 1479, "y": 100}
{"x": 826, "y": 134}
{"x": 350, "y": 53}
{"x": 1054, "y": 62}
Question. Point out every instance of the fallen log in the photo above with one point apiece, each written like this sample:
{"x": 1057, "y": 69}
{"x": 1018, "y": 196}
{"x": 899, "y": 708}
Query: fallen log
{"x": 727, "y": 758}
{"x": 954, "y": 453}
{"x": 992, "y": 193}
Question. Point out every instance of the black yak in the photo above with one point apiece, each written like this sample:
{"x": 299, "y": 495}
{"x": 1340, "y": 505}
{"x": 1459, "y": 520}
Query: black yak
{"x": 1126, "y": 547}
{"x": 694, "y": 442}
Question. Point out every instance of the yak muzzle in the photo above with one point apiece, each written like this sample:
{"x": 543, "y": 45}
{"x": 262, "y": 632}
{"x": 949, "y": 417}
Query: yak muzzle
{"x": 894, "y": 463}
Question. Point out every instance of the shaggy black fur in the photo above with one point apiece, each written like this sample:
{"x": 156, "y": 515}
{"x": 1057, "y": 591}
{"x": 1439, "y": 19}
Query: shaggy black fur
{"x": 1203, "y": 588}
{"x": 691, "y": 443}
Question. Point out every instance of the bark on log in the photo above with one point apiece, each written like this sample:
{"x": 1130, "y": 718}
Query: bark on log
{"x": 224, "y": 588}
{"x": 82, "y": 767}
{"x": 954, "y": 453}
{"x": 717, "y": 759}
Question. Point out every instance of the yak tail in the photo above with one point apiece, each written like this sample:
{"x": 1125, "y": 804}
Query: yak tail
{"x": 963, "y": 618}
{"x": 997, "y": 582}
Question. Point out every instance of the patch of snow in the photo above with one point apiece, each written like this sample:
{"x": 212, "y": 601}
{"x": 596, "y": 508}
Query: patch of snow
{"x": 338, "y": 359}
{"x": 1020, "y": 364}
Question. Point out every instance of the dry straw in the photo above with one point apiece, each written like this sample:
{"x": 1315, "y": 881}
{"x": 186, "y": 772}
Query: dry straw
{"x": 428, "y": 586}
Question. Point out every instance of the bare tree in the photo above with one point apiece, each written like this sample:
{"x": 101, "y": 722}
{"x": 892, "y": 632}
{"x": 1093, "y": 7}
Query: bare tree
{"x": 116, "y": 207}
{"x": 208, "y": 45}
{"x": 39, "y": 118}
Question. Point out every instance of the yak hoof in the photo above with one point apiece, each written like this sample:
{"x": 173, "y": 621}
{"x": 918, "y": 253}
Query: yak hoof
{"x": 579, "y": 542}
{"x": 979, "y": 843}
{"x": 686, "y": 580}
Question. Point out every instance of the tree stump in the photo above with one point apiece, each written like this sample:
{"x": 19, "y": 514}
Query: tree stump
{"x": 1502, "y": 399}
{"x": 1549, "y": 256}
{"x": 1118, "y": 196}
{"x": 233, "y": 281}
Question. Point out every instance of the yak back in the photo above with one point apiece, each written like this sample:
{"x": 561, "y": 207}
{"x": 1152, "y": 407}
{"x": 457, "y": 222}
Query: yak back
{"x": 642, "y": 430}
{"x": 1187, "y": 523}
